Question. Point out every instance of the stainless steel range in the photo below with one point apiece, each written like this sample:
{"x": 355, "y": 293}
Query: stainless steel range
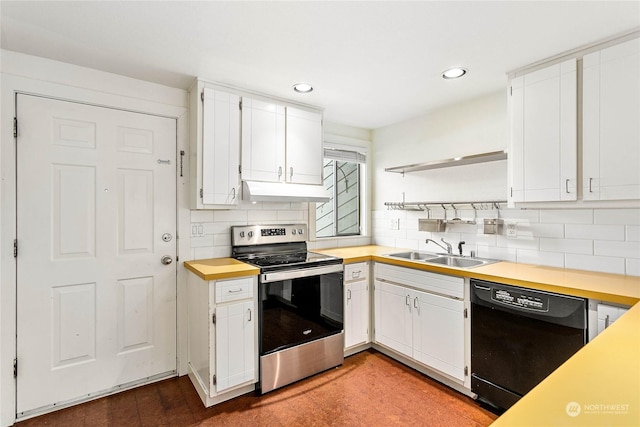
{"x": 300, "y": 302}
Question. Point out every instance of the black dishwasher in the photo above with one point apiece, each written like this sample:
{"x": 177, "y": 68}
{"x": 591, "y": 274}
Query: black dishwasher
{"x": 518, "y": 337}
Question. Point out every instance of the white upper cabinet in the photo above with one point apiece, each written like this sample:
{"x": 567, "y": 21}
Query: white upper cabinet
{"x": 304, "y": 146}
{"x": 280, "y": 144}
{"x": 543, "y": 119}
{"x": 214, "y": 147}
{"x": 263, "y": 141}
{"x": 220, "y": 148}
{"x": 611, "y": 123}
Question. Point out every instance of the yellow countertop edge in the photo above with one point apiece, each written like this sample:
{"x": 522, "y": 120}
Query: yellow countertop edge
{"x": 220, "y": 268}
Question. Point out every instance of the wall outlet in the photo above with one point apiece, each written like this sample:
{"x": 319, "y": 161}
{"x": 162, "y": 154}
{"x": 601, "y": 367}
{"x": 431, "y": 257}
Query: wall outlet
{"x": 512, "y": 229}
{"x": 394, "y": 224}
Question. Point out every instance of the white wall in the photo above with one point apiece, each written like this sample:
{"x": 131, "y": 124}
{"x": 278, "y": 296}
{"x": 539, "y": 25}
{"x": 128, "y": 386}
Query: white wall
{"x": 596, "y": 239}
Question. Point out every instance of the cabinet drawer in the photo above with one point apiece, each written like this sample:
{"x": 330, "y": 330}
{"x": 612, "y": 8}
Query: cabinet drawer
{"x": 357, "y": 271}
{"x": 234, "y": 289}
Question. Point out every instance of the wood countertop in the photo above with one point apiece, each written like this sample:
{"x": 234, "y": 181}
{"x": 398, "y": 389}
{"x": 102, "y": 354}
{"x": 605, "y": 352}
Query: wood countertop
{"x": 599, "y": 385}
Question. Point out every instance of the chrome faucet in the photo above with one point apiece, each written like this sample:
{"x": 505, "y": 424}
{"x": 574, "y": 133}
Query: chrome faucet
{"x": 447, "y": 248}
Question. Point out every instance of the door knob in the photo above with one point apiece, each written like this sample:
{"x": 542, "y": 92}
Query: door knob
{"x": 166, "y": 260}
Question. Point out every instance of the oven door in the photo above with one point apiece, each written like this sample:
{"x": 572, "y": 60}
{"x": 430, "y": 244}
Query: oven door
{"x": 300, "y": 306}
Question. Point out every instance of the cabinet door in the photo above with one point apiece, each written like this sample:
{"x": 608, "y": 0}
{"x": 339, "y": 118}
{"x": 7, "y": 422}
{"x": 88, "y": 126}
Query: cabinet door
{"x": 263, "y": 141}
{"x": 235, "y": 349}
{"x": 356, "y": 327}
{"x": 393, "y": 317}
{"x": 220, "y": 148}
{"x": 611, "y": 123}
{"x": 438, "y": 333}
{"x": 304, "y": 146}
{"x": 543, "y": 132}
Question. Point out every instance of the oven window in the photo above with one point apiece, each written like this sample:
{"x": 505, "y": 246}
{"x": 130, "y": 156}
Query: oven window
{"x": 300, "y": 310}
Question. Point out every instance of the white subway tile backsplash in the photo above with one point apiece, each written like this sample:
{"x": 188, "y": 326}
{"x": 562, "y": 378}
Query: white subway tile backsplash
{"x": 617, "y": 216}
{"x": 617, "y": 249}
{"x": 551, "y": 259}
{"x": 237, "y": 215}
{"x": 540, "y": 230}
{"x": 632, "y": 233}
{"x": 531, "y": 243}
{"x": 521, "y": 215}
{"x": 505, "y": 254}
{"x": 202, "y": 241}
{"x": 594, "y": 232}
{"x": 258, "y": 216}
{"x": 567, "y": 216}
{"x": 633, "y": 267}
{"x": 201, "y": 216}
{"x": 572, "y": 246}
{"x": 295, "y": 216}
{"x": 595, "y": 263}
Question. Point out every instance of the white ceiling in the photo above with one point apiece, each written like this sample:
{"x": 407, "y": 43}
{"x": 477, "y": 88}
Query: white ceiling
{"x": 372, "y": 63}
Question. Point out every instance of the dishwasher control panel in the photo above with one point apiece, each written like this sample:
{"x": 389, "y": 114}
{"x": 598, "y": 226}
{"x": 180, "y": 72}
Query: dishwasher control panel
{"x": 520, "y": 300}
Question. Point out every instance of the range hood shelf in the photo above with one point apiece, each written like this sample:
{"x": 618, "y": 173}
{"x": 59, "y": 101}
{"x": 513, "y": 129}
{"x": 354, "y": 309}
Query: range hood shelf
{"x": 447, "y": 163}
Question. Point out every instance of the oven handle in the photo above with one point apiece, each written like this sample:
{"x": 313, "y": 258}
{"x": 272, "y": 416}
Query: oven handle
{"x": 277, "y": 276}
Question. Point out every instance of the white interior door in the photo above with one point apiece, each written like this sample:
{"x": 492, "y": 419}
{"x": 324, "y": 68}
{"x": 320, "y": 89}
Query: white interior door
{"x": 96, "y": 306}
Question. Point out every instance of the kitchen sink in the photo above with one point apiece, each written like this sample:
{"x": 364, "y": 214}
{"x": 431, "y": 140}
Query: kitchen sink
{"x": 415, "y": 256}
{"x": 454, "y": 261}
{"x": 440, "y": 259}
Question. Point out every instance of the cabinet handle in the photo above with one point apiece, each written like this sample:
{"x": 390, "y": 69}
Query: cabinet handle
{"x": 355, "y": 274}
{"x": 406, "y": 300}
{"x": 279, "y": 172}
{"x": 415, "y": 303}
{"x": 249, "y": 310}
{"x": 590, "y": 189}
{"x": 234, "y": 194}
{"x": 566, "y": 185}
{"x": 291, "y": 172}
{"x": 234, "y": 291}
{"x": 348, "y": 294}
{"x": 606, "y": 321}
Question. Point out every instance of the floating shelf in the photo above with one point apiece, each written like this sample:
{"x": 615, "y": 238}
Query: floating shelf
{"x": 457, "y": 161}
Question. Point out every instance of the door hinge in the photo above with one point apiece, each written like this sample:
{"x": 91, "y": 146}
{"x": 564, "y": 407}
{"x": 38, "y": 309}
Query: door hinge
{"x": 240, "y": 104}
{"x": 466, "y": 371}
{"x": 15, "y": 368}
{"x": 15, "y": 127}
{"x": 202, "y": 96}
{"x": 201, "y": 193}
{"x": 239, "y": 168}
{"x": 15, "y": 248}
{"x": 466, "y": 313}
{"x": 215, "y": 380}
{"x": 213, "y": 318}
{"x": 511, "y": 90}
{"x": 511, "y": 191}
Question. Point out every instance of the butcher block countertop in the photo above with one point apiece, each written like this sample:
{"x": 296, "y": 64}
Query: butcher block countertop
{"x": 599, "y": 385}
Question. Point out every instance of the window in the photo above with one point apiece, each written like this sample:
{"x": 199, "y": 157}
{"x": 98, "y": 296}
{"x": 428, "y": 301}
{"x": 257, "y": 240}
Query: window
{"x": 341, "y": 215}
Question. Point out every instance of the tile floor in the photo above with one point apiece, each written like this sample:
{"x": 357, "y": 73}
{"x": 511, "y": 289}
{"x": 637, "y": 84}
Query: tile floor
{"x": 370, "y": 389}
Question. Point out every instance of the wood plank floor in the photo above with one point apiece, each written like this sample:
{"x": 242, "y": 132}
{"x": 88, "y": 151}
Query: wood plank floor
{"x": 370, "y": 389}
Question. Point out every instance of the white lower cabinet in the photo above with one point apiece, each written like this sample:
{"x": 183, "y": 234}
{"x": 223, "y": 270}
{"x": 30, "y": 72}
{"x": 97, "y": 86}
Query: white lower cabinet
{"x": 422, "y": 316}
{"x": 356, "y": 305}
{"x": 222, "y": 337}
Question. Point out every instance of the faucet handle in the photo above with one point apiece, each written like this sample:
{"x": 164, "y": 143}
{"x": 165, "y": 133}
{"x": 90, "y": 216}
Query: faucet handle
{"x": 462, "y": 242}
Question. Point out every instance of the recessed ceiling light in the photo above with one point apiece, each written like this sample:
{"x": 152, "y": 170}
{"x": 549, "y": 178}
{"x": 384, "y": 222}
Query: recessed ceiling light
{"x": 454, "y": 73}
{"x": 302, "y": 87}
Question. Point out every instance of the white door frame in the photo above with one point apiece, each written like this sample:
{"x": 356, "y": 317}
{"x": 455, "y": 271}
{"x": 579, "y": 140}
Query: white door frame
{"x": 50, "y": 79}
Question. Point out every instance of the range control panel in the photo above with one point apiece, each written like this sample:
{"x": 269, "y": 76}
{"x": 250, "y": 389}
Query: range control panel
{"x": 265, "y": 234}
